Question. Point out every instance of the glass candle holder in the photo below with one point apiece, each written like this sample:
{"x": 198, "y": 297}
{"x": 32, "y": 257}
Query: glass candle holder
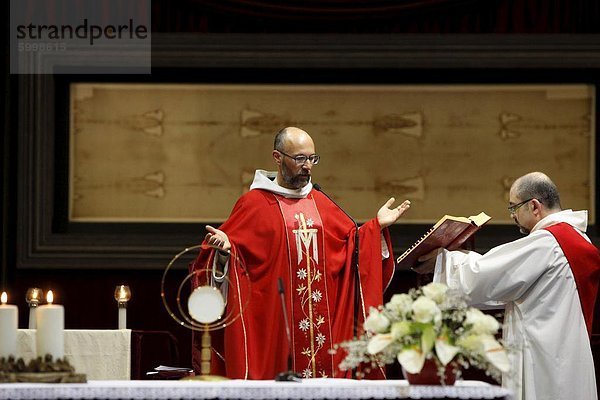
{"x": 33, "y": 298}
{"x": 122, "y": 296}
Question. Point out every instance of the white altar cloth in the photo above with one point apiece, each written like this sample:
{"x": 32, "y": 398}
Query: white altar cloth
{"x": 309, "y": 389}
{"x": 99, "y": 354}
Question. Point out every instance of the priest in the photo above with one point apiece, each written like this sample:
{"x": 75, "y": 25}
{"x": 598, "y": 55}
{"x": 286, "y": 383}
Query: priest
{"x": 547, "y": 282}
{"x": 285, "y": 228}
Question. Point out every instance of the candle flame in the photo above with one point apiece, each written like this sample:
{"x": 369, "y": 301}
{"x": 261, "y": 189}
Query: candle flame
{"x": 122, "y": 293}
{"x": 3, "y": 298}
{"x": 50, "y": 297}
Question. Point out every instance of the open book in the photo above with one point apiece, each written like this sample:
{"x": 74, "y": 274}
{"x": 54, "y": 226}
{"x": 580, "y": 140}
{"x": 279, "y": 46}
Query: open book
{"x": 449, "y": 232}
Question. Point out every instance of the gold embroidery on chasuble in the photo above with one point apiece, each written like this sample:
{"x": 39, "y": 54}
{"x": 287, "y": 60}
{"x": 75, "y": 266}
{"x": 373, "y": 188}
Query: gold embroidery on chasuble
{"x": 307, "y": 292}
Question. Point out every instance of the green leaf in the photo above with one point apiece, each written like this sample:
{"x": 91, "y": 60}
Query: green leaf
{"x": 427, "y": 339}
{"x": 417, "y": 327}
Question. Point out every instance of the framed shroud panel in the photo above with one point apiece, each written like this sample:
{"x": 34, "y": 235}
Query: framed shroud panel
{"x": 186, "y": 152}
{"x": 48, "y": 238}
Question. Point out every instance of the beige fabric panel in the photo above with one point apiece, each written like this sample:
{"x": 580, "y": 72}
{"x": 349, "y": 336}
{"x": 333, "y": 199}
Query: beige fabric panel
{"x": 99, "y": 354}
{"x": 185, "y": 153}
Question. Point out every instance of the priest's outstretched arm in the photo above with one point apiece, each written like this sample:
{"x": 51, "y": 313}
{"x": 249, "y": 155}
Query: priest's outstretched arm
{"x": 218, "y": 240}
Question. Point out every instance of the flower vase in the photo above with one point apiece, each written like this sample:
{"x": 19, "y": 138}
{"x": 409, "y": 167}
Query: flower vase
{"x": 429, "y": 374}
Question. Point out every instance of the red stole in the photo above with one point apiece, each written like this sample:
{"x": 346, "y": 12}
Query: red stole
{"x": 584, "y": 260}
{"x": 307, "y": 288}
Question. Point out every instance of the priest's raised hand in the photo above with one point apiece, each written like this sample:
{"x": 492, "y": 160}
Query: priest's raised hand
{"x": 387, "y": 216}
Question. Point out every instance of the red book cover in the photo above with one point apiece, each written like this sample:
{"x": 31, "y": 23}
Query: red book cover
{"x": 449, "y": 232}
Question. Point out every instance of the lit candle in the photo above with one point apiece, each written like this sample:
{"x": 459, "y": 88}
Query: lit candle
{"x": 8, "y": 327}
{"x": 122, "y": 296}
{"x": 50, "y": 329}
{"x": 33, "y": 297}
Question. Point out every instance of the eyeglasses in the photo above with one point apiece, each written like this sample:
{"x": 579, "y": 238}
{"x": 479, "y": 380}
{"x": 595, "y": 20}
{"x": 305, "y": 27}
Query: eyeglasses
{"x": 513, "y": 209}
{"x": 301, "y": 158}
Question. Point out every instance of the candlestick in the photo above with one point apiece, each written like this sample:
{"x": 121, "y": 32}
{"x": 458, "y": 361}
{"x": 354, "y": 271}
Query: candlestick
{"x": 50, "y": 329}
{"x": 9, "y": 317}
{"x": 122, "y": 296}
{"x": 33, "y": 297}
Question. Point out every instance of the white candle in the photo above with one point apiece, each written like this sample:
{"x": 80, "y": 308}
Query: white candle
{"x": 122, "y": 317}
{"x": 50, "y": 329}
{"x": 9, "y": 320}
{"x": 32, "y": 317}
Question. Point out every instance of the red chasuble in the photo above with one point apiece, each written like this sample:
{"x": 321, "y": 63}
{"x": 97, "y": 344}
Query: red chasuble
{"x": 584, "y": 260}
{"x": 309, "y": 244}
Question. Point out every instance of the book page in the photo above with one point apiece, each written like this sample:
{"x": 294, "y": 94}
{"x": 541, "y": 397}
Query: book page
{"x": 480, "y": 218}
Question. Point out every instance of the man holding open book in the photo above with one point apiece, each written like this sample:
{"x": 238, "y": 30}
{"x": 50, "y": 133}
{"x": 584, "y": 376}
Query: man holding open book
{"x": 547, "y": 282}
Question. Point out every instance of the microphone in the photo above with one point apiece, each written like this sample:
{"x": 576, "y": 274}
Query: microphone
{"x": 289, "y": 375}
{"x": 318, "y": 188}
{"x": 357, "y": 291}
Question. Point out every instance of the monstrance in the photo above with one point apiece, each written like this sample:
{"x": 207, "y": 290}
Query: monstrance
{"x": 207, "y": 305}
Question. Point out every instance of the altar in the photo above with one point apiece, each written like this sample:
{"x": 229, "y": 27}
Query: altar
{"x": 309, "y": 389}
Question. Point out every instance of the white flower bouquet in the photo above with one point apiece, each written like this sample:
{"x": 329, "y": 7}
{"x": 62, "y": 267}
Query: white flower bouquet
{"x": 428, "y": 322}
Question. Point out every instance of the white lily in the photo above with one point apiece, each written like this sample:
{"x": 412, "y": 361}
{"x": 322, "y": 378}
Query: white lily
{"x": 445, "y": 351}
{"x": 495, "y": 353}
{"x": 379, "y": 342}
{"x": 411, "y": 360}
